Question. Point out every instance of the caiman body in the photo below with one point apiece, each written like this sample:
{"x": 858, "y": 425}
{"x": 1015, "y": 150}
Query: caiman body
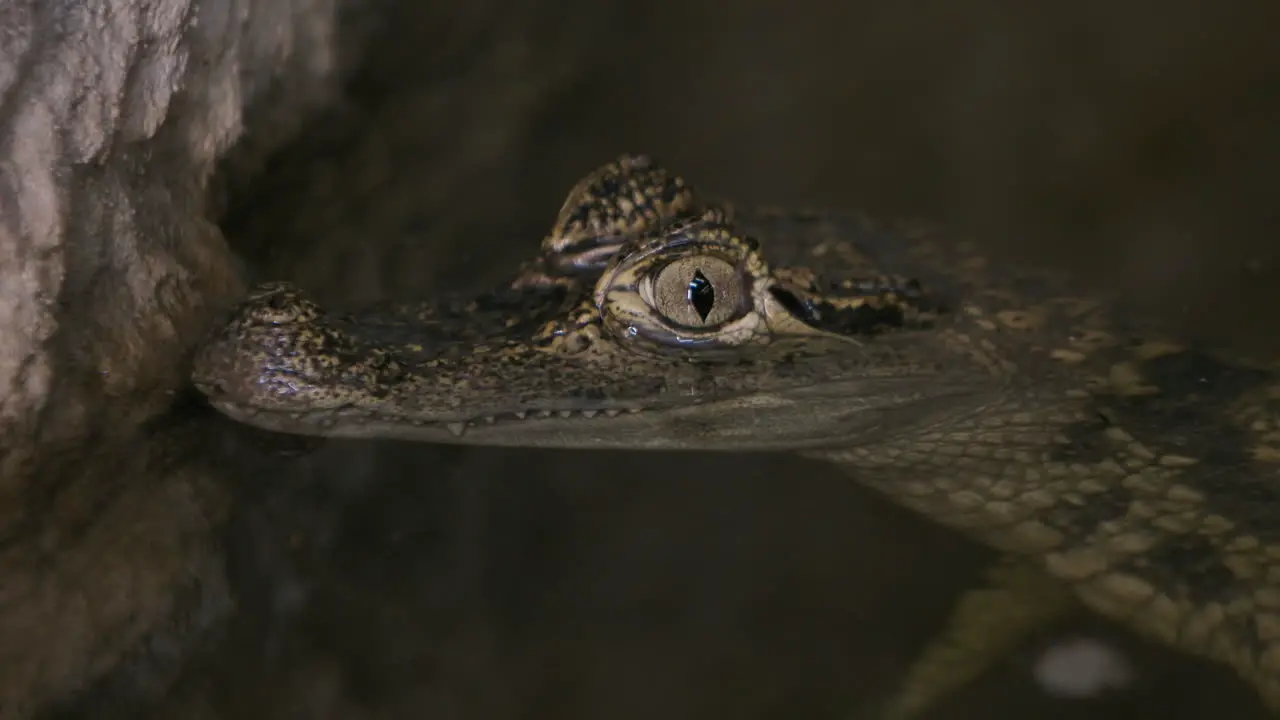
{"x": 1141, "y": 472}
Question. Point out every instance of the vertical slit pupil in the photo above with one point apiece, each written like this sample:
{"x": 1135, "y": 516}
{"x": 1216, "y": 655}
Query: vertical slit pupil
{"x": 702, "y": 295}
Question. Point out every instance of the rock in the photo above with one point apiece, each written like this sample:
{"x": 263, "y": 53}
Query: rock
{"x": 114, "y": 115}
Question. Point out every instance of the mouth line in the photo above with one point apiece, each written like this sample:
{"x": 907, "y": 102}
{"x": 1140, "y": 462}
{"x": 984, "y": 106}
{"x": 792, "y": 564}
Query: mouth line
{"x": 330, "y": 418}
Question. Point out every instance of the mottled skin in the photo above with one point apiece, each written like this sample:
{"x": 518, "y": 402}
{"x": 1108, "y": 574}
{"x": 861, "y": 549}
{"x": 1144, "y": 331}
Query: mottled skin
{"x": 1142, "y": 472}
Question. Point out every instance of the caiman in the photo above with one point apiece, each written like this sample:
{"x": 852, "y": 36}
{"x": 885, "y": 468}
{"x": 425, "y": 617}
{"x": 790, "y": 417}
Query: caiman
{"x": 1108, "y": 461}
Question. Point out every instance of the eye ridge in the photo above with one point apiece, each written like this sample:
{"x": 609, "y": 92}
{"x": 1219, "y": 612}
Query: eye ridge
{"x": 702, "y": 294}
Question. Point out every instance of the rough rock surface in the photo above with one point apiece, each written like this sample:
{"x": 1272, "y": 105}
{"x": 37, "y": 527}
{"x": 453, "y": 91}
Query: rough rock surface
{"x": 113, "y": 115}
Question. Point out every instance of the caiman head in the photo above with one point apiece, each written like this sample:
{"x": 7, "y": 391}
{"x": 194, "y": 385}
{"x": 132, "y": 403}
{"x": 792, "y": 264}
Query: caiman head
{"x": 650, "y": 319}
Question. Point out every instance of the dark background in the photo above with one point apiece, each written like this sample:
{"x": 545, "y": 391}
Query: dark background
{"x": 1129, "y": 142}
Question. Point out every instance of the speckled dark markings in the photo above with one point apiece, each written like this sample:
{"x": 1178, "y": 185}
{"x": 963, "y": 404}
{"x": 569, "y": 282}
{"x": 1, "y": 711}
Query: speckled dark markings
{"x": 1210, "y": 421}
{"x": 1141, "y": 472}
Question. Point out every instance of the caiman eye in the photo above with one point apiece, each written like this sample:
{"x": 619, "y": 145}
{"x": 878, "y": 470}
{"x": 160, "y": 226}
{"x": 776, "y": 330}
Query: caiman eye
{"x": 699, "y": 292}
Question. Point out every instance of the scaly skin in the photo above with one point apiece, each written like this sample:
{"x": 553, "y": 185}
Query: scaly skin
{"x": 1142, "y": 472}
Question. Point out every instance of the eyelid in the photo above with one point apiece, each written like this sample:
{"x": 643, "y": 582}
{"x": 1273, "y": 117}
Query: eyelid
{"x": 647, "y": 283}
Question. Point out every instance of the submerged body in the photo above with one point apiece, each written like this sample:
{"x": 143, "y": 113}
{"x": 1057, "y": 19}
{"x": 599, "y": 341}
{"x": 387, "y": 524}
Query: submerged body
{"x": 1142, "y": 472}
